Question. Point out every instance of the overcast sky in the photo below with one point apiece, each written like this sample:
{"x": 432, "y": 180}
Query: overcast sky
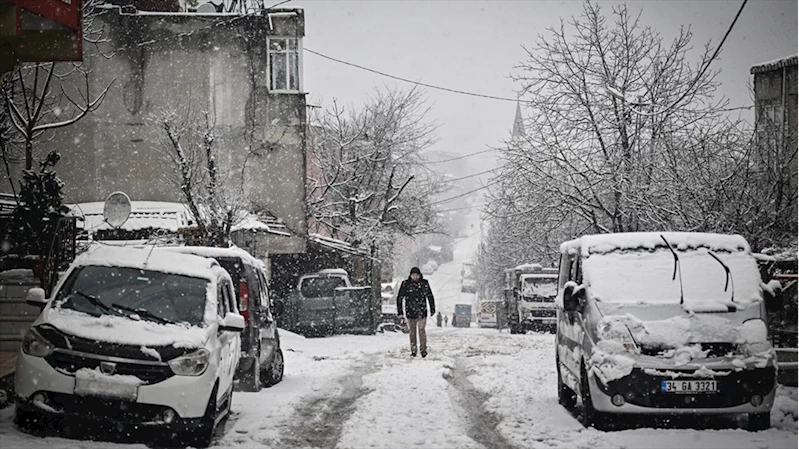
{"x": 473, "y": 46}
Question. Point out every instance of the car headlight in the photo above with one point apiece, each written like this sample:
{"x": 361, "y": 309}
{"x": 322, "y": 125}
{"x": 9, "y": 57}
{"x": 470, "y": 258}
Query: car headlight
{"x": 34, "y": 344}
{"x": 193, "y": 364}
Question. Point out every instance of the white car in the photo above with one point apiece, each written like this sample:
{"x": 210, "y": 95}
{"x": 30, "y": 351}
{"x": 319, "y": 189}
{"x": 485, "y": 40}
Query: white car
{"x": 433, "y": 264}
{"x": 133, "y": 337}
{"x": 426, "y": 269}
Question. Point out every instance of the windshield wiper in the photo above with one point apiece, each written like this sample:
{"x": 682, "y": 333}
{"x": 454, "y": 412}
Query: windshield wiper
{"x": 95, "y": 302}
{"x": 728, "y": 280}
{"x": 143, "y": 312}
{"x": 676, "y": 267}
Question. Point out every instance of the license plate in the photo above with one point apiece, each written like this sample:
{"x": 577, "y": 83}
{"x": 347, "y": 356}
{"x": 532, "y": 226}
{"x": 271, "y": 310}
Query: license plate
{"x": 688, "y": 386}
{"x": 105, "y": 387}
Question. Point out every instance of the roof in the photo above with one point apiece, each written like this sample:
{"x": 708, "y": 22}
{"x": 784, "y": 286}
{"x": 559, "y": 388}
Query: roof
{"x": 337, "y": 245}
{"x": 269, "y": 224}
{"x": 774, "y": 65}
{"x": 148, "y": 259}
{"x": 605, "y": 243}
{"x": 143, "y": 215}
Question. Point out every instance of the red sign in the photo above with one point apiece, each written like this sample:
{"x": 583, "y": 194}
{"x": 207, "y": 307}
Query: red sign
{"x": 65, "y": 12}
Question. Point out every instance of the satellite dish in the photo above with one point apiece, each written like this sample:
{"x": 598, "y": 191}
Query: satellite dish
{"x": 207, "y": 8}
{"x": 117, "y": 209}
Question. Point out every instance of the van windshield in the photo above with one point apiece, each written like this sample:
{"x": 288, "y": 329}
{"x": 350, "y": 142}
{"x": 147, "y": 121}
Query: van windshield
{"x": 646, "y": 277}
{"x": 156, "y": 296}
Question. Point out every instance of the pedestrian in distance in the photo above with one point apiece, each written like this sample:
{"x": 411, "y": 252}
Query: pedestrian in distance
{"x": 453, "y": 319}
{"x": 446, "y": 320}
{"x": 415, "y": 293}
{"x": 438, "y": 319}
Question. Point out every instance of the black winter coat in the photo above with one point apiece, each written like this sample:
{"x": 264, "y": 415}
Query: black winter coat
{"x": 415, "y": 294}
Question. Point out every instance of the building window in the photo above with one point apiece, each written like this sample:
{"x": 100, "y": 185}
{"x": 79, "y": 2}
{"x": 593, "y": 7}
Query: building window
{"x": 284, "y": 64}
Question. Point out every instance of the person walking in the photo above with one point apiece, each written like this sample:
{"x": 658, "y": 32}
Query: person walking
{"x": 438, "y": 319}
{"x": 415, "y": 293}
{"x": 446, "y": 320}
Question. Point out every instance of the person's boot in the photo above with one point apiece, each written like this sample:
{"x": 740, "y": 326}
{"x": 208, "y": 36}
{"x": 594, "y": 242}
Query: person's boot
{"x": 424, "y": 354}
{"x": 413, "y": 354}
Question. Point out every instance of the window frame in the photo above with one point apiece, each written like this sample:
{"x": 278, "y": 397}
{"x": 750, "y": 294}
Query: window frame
{"x": 270, "y": 52}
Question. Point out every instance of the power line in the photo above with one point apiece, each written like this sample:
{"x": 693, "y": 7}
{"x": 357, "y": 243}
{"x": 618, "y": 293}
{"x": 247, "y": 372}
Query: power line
{"x": 418, "y": 83}
{"x": 461, "y": 157}
{"x": 701, "y": 73}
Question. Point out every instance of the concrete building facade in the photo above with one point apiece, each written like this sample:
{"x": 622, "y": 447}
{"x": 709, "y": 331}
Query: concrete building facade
{"x": 237, "y": 75}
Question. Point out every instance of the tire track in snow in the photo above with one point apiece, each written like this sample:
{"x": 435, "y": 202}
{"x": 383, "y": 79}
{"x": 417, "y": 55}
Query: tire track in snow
{"x": 482, "y": 425}
{"x": 319, "y": 420}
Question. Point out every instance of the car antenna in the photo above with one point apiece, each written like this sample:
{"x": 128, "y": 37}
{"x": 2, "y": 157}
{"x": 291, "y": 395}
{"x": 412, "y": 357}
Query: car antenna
{"x": 729, "y": 279}
{"x": 676, "y": 267}
{"x": 148, "y": 256}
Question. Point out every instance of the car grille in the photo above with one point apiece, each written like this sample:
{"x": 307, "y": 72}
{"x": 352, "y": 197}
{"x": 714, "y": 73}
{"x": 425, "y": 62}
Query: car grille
{"x": 538, "y": 298}
{"x": 70, "y": 362}
{"x": 543, "y": 313}
{"x": 714, "y": 349}
{"x": 116, "y": 410}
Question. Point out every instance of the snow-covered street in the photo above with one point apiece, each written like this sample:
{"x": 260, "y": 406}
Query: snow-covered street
{"x": 477, "y": 388}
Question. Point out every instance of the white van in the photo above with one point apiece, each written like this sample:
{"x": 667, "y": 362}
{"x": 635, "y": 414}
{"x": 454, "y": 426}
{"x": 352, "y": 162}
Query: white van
{"x": 133, "y": 336}
{"x": 663, "y": 323}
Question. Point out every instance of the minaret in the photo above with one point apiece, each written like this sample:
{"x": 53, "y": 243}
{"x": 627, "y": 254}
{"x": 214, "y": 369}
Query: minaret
{"x": 518, "y": 122}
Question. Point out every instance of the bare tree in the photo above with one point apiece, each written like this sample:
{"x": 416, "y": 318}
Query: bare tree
{"x": 367, "y": 180}
{"x": 623, "y": 133}
{"x": 214, "y": 200}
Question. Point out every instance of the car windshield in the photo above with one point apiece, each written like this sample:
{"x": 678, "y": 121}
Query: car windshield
{"x": 149, "y": 295}
{"x": 647, "y": 276}
{"x": 546, "y": 287}
{"x": 317, "y": 287}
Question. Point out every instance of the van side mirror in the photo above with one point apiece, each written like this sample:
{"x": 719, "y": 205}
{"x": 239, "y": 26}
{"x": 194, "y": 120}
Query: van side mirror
{"x": 279, "y": 308}
{"x": 36, "y": 297}
{"x": 773, "y": 300}
{"x": 573, "y": 298}
{"x": 232, "y": 322}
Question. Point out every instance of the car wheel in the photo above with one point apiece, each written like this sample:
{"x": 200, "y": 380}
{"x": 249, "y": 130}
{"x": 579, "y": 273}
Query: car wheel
{"x": 251, "y": 381}
{"x": 275, "y": 372}
{"x": 202, "y": 435}
{"x": 566, "y": 396}
{"x": 759, "y": 421}
{"x": 591, "y": 417}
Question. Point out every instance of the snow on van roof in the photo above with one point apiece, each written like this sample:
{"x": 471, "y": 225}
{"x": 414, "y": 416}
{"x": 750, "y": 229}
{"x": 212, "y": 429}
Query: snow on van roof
{"x": 146, "y": 258}
{"x": 529, "y": 266}
{"x": 212, "y": 252}
{"x": 605, "y": 243}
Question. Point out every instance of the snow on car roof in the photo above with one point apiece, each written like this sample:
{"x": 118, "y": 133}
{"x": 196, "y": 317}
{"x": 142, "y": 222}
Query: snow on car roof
{"x": 529, "y": 266}
{"x": 212, "y": 252}
{"x": 605, "y": 243}
{"x": 147, "y": 259}
{"x": 329, "y": 271}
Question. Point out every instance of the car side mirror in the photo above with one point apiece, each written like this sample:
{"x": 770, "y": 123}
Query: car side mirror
{"x": 232, "y": 322}
{"x": 573, "y": 298}
{"x": 279, "y": 308}
{"x": 36, "y": 297}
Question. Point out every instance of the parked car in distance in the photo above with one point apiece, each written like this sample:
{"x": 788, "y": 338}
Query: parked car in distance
{"x": 433, "y": 264}
{"x": 648, "y": 323}
{"x": 261, "y": 363}
{"x": 426, "y": 269}
{"x": 136, "y": 337}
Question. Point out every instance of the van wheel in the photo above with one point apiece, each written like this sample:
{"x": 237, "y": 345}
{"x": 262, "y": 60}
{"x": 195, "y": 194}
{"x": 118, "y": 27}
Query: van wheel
{"x": 275, "y": 372}
{"x": 29, "y": 421}
{"x": 759, "y": 421}
{"x": 591, "y": 417}
{"x": 566, "y": 396}
{"x": 251, "y": 381}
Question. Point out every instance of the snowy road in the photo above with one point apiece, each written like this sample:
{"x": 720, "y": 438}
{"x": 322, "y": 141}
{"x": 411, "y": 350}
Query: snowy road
{"x": 478, "y": 388}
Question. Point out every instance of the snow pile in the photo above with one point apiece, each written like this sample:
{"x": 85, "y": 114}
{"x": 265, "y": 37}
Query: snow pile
{"x": 151, "y": 352}
{"x": 608, "y": 366}
{"x": 92, "y": 382}
{"x": 784, "y": 413}
{"x": 123, "y": 330}
{"x": 605, "y": 243}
